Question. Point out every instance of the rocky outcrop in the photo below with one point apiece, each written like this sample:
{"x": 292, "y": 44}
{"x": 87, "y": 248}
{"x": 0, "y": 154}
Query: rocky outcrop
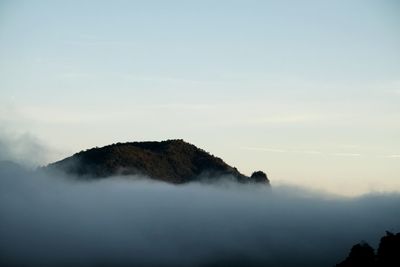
{"x": 259, "y": 177}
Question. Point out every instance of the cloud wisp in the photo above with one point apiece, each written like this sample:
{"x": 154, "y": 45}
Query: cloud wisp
{"x": 22, "y": 148}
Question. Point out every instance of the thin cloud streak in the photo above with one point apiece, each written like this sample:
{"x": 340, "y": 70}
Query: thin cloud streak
{"x": 316, "y": 152}
{"x": 341, "y": 154}
{"x": 264, "y": 149}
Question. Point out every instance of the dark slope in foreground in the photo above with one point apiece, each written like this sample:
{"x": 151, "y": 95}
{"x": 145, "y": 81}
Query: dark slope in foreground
{"x": 173, "y": 161}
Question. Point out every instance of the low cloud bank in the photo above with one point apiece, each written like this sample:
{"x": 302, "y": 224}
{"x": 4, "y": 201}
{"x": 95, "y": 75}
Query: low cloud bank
{"x": 52, "y": 220}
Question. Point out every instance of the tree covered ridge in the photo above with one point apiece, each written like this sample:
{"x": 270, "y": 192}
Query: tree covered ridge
{"x": 174, "y": 161}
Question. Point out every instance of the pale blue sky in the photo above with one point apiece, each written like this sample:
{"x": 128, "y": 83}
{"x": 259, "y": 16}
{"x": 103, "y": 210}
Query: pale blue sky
{"x": 308, "y": 91}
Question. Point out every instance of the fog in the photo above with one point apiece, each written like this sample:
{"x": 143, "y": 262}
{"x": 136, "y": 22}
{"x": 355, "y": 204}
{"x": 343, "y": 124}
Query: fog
{"x": 24, "y": 149}
{"x": 53, "y": 220}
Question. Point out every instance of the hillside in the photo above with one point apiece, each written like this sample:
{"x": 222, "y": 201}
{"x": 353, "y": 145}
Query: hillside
{"x": 174, "y": 161}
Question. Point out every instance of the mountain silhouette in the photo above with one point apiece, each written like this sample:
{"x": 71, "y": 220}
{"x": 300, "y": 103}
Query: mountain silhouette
{"x": 174, "y": 161}
{"x": 363, "y": 255}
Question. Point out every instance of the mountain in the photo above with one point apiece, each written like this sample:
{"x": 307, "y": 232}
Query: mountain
{"x": 174, "y": 161}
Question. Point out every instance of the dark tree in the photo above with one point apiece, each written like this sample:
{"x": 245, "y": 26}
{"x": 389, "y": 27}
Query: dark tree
{"x": 361, "y": 255}
{"x": 389, "y": 250}
{"x": 388, "y": 254}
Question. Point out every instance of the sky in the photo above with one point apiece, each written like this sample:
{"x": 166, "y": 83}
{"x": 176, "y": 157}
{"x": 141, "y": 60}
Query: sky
{"x": 307, "y": 91}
